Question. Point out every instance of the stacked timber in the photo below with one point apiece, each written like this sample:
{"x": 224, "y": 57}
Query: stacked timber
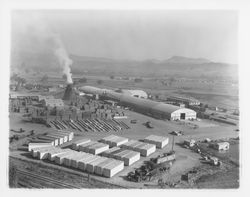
{"x": 39, "y": 145}
{"x": 55, "y": 138}
{"x": 113, "y": 168}
{"x": 59, "y": 159}
{"x": 90, "y": 167}
{"x": 83, "y": 161}
{"x": 111, "y": 151}
{"x": 43, "y": 153}
{"x": 36, "y": 151}
{"x": 128, "y": 156}
{"x": 82, "y": 165}
{"x": 93, "y": 147}
{"x": 62, "y": 136}
{"x": 159, "y": 141}
{"x": 113, "y": 140}
{"x": 73, "y": 158}
{"x": 52, "y": 154}
{"x": 143, "y": 148}
{"x": 76, "y": 144}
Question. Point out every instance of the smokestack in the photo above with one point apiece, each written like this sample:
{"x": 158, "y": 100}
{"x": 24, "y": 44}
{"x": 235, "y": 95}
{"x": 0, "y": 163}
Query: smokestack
{"x": 69, "y": 94}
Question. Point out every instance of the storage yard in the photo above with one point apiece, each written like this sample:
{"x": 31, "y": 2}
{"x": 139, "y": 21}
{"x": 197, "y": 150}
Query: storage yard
{"x": 127, "y": 99}
{"x": 90, "y": 137}
{"x": 105, "y": 158}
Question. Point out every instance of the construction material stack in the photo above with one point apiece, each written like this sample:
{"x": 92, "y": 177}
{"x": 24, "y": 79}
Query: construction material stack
{"x": 143, "y": 148}
{"x": 114, "y": 140}
{"x": 128, "y": 156}
{"x": 76, "y": 144}
{"x": 159, "y": 141}
{"x": 54, "y": 138}
{"x": 39, "y": 145}
{"x": 93, "y": 147}
{"x": 90, "y": 163}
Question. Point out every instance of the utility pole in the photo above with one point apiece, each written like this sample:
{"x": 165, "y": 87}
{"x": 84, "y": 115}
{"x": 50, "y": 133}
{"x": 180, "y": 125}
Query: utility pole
{"x": 173, "y": 144}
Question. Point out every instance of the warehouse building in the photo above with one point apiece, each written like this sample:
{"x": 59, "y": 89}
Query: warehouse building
{"x": 184, "y": 100}
{"x": 158, "y": 109}
{"x": 152, "y": 108}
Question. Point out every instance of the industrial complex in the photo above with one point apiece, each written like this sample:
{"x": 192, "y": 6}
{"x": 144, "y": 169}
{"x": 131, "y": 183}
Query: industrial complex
{"x": 113, "y": 138}
{"x": 96, "y": 100}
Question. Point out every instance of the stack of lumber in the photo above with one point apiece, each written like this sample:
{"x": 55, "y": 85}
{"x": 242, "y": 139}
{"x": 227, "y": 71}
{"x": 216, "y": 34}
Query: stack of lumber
{"x": 128, "y": 156}
{"x": 93, "y": 147}
{"x": 143, "y": 148}
{"x": 113, "y": 140}
{"x": 86, "y": 162}
{"x": 159, "y": 141}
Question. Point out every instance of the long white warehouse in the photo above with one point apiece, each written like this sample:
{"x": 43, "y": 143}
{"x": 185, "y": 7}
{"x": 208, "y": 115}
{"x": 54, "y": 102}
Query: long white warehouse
{"x": 156, "y": 109}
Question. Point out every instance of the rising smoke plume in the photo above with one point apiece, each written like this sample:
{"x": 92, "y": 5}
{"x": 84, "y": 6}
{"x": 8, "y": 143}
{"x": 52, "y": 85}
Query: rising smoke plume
{"x": 63, "y": 59}
{"x": 32, "y": 37}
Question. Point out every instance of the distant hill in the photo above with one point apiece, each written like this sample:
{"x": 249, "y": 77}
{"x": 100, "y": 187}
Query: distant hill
{"x": 186, "y": 60}
{"x": 176, "y": 65}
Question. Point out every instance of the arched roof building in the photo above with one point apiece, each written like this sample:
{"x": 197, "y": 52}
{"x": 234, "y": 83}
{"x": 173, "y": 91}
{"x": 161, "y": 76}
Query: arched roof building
{"x": 156, "y": 109}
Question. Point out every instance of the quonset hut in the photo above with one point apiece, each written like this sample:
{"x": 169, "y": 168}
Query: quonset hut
{"x": 158, "y": 109}
{"x": 152, "y": 108}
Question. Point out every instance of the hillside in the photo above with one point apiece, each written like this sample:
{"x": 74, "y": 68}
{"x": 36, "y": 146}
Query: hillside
{"x": 176, "y": 65}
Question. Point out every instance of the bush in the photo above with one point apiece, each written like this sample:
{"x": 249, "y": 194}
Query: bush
{"x": 99, "y": 81}
{"x": 138, "y": 80}
{"x": 83, "y": 80}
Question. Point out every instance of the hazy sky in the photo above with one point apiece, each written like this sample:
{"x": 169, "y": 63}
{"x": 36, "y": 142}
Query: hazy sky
{"x": 133, "y": 34}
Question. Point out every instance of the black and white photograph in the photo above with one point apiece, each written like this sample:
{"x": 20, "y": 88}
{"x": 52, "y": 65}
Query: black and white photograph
{"x": 124, "y": 99}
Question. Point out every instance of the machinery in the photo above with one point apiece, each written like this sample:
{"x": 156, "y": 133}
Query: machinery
{"x": 149, "y": 125}
{"x": 152, "y": 168}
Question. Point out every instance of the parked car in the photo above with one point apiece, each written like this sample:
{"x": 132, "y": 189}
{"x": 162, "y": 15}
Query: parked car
{"x": 149, "y": 125}
{"x": 133, "y": 121}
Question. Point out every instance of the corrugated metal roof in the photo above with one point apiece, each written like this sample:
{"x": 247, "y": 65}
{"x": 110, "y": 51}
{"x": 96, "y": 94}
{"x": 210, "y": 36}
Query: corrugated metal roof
{"x": 149, "y": 104}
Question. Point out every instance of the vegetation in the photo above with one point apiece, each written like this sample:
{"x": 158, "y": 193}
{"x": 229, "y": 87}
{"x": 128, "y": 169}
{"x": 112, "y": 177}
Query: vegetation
{"x": 83, "y": 80}
{"x": 21, "y": 81}
{"x": 45, "y": 78}
{"x": 64, "y": 77}
{"x": 99, "y": 81}
{"x": 138, "y": 80}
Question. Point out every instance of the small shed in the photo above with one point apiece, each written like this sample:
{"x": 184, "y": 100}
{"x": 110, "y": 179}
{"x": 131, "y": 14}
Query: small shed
{"x": 220, "y": 145}
{"x": 189, "y": 143}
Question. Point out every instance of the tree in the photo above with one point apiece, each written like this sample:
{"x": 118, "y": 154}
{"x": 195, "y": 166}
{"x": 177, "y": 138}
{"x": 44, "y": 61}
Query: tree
{"x": 64, "y": 77}
{"x": 14, "y": 77}
{"x": 27, "y": 70}
{"x": 44, "y": 78}
{"x": 138, "y": 80}
{"x": 83, "y": 80}
{"x": 171, "y": 80}
{"x": 99, "y": 81}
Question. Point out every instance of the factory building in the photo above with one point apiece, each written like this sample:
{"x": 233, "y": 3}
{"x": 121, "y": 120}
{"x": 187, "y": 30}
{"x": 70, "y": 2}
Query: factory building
{"x": 186, "y": 101}
{"x": 158, "y": 109}
{"x": 152, "y": 108}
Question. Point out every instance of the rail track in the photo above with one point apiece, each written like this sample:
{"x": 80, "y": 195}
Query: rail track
{"x": 55, "y": 183}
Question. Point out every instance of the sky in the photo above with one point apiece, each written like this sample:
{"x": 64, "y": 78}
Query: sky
{"x": 130, "y": 34}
